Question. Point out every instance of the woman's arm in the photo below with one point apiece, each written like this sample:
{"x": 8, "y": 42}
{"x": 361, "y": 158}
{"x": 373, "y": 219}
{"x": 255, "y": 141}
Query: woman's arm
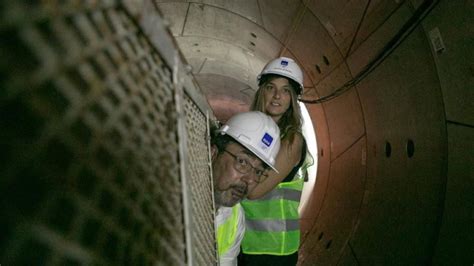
{"x": 287, "y": 158}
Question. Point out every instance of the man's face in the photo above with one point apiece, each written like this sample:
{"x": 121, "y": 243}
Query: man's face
{"x": 230, "y": 184}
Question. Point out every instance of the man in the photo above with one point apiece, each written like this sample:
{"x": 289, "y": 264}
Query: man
{"x": 242, "y": 150}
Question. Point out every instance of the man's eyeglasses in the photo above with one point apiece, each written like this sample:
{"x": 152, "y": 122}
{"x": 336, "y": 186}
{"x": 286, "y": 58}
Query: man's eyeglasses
{"x": 244, "y": 167}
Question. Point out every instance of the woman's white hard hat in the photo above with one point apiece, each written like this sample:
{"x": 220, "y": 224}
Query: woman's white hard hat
{"x": 257, "y": 132}
{"x": 285, "y": 67}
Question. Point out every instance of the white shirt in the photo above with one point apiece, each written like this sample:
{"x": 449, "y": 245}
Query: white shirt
{"x": 223, "y": 213}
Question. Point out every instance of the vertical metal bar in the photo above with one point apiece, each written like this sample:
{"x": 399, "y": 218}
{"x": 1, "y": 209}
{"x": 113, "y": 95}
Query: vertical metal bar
{"x": 182, "y": 140}
{"x": 209, "y": 133}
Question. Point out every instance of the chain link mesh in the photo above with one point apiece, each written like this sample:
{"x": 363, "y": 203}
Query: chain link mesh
{"x": 202, "y": 210}
{"x": 89, "y": 146}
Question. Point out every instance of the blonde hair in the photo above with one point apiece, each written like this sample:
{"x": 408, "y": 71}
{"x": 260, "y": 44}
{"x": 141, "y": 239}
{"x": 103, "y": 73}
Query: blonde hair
{"x": 291, "y": 121}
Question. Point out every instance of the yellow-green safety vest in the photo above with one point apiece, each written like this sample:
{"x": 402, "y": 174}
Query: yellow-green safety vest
{"x": 272, "y": 222}
{"x": 227, "y": 231}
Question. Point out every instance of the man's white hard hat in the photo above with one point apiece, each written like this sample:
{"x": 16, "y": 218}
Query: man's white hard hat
{"x": 257, "y": 132}
{"x": 285, "y": 67}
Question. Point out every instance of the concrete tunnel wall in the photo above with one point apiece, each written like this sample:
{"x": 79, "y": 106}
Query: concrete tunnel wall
{"x": 395, "y": 178}
{"x": 386, "y": 182}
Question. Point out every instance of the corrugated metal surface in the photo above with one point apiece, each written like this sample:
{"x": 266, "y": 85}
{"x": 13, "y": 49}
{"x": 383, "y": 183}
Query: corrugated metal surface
{"x": 90, "y": 168}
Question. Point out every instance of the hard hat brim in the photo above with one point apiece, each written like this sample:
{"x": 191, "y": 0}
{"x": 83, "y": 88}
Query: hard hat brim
{"x": 251, "y": 149}
{"x": 298, "y": 90}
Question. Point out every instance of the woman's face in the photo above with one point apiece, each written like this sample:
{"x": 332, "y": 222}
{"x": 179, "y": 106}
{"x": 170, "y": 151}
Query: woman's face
{"x": 277, "y": 97}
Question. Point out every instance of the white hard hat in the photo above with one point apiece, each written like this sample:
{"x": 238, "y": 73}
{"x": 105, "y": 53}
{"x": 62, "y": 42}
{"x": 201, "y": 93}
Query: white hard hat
{"x": 285, "y": 67}
{"x": 257, "y": 132}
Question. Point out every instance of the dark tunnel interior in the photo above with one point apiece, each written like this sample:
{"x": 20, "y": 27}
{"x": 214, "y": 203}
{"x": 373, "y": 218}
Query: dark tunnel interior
{"x": 105, "y": 110}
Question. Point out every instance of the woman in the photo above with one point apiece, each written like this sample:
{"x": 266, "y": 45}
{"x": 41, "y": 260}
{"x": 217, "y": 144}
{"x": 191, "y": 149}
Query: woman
{"x": 272, "y": 222}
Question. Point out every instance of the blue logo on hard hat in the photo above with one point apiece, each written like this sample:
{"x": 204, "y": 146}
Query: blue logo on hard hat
{"x": 267, "y": 139}
{"x": 284, "y": 63}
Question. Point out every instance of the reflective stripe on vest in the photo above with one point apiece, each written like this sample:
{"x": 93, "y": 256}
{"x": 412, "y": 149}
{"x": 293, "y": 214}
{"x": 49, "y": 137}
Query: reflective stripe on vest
{"x": 272, "y": 222}
{"x": 227, "y": 231}
{"x": 282, "y": 193}
{"x": 272, "y": 225}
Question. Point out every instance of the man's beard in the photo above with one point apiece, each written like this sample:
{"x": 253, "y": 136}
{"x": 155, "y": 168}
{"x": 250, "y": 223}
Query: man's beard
{"x": 230, "y": 196}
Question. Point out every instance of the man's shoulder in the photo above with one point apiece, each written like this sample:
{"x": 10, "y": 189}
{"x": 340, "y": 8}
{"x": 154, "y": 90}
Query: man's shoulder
{"x": 224, "y": 212}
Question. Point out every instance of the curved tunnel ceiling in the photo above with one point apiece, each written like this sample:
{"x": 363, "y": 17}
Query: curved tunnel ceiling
{"x": 231, "y": 41}
{"x": 384, "y": 174}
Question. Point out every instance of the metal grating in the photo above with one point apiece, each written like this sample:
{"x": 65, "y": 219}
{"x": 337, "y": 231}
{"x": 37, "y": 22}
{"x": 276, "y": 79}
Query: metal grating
{"x": 89, "y": 146}
{"x": 202, "y": 207}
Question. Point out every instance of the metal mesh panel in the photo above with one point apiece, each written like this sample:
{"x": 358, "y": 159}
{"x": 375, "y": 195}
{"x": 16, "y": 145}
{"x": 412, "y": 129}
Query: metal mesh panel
{"x": 89, "y": 149}
{"x": 202, "y": 208}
